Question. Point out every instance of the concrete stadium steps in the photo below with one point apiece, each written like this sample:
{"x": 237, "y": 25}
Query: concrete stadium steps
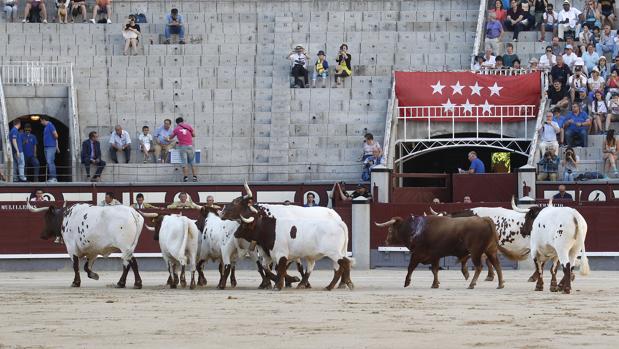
{"x": 231, "y": 80}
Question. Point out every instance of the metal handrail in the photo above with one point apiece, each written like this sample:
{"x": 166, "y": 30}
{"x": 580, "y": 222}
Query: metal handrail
{"x": 36, "y": 73}
{"x": 481, "y": 18}
{"x": 391, "y": 112}
{"x": 543, "y": 106}
{"x": 6, "y": 143}
{"x": 74, "y": 119}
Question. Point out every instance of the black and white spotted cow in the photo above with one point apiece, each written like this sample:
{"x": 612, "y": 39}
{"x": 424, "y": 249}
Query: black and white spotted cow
{"x": 89, "y": 231}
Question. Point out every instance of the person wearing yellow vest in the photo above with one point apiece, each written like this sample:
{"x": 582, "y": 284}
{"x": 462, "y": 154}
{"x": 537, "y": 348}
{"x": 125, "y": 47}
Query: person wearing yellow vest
{"x": 321, "y": 68}
{"x": 343, "y": 68}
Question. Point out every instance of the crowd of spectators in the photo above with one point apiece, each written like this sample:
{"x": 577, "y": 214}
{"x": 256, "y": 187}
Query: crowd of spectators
{"x": 300, "y": 63}
{"x": 35, "y": 11}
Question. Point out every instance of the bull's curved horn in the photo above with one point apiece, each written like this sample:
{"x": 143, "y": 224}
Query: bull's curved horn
{"x": 149, "y": 215}
{"x": 386, "y": 224}
{"x": 253, "y": 209}
{"x": 249, "y": 193}
{"x": 247, "y": 220}
{"x": 425, "y": 214}
{"x": 434, "y": 213}
{"x": 550, "y": 203}
{"x": 518, "y": 209}
{"x": 149, "y": 228}
{"x": 35, "y": 209}
{"x": 64, "y": 205}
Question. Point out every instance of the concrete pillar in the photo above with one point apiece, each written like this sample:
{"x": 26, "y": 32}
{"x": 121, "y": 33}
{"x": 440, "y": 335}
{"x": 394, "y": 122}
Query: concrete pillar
{"x": 361, "y": 233}
{"x": 526, "y": 184}
{"x": 380, "y": 178}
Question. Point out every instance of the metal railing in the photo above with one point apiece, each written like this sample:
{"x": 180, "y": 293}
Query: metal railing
{"x": 543, "y": 106}
{"x": 479, "y": 38}
{"x": 36, "y": 73}
{"x": 504, "y": 72}
{"x": 74, "y": 119}
{"x": 487, "y": 114}
{"x": 7, "y": 159}
{"x": 391, "y": 112}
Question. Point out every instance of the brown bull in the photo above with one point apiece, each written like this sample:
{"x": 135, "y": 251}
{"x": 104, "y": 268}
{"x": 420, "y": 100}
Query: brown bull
{"x": 431, "y": 238}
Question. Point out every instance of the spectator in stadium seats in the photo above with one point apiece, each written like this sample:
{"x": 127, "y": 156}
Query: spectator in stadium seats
{"x": 184, "y": 201}
{"x": 597, "y": 35}
{"x": 436, "y": 201}
{"x": 510, "y": 56}
{"x": 371, "y": 162}
{"x": 596, "y": 82}
{"x": 174, "y": 25}
{"x": 576, "y": 127}
{"x": 598, "y": 111}
{"x": 109, "y": 200}
{"x": 559, "y": 119}
{"x": 570, "y": 164}
{"x": 132, "y": 34}
{"x": 603, "y": 68}
{"x": 613, "y": 109}
{"x": 310, "y": 200}
{"x": 494, "y": 34}
{"x": 560, "y": 71}
{"x": 146, "y": 141}
{"x": 516, "y": 64}
{"x": 299, "y": 60}
{"x": 515, "y": 18}
{"x": 477, "y": 166}
{"x": 120, "y": 141}
{"x": 533, "y": 63}
{"x": 582, "y": 98}
{"x": 498, "y": 63}
{"x": 562, "y": 194}
{"x": 38, "y": 196}
{"x": 579, "y": 63}
{"x": 500, "y": 14}
{"x": 10, "y": 10}
{"x": 547, "y": 60}
{"x": 610, "y": 153}
{"x": 339, "y": 192}
{"x": 479, "y": 62}
{"x": 17, "y": 145}
{"x": 607, "y": 12}
{"x": 568, "y": 20}
{"x": 548, "y": 132}
{"x": 343, "y": 69}
{"x": 103, "y": 8}
{"x": 569, "y": 57}
{"x": 606, "y": 43}
{"x": 210, "y": 202}
{"x": 30, "y": 151}
{"x": 162, "y": 145}
{"x": 139, "y": 203}
{"x": 557, "y": 50}
{"x": 91, "y": 156}
{"x": 369, "y": 145}
{"x": 615, "y": 66}
{"x": 37, "y": 6}
{"x": 184, "y": 133}
{"x": 321, "y": 69}
{"x": 558, "y": 95}
{"x": 539, "y": 9}
{"x": 576, "y": 81}
{"x": 590, "y": 14}
{"x": 612, "y": 86}
{"x": 467, "y": 200}
{"x": 62, "y": 11}
{"x": 78, "y": 7}
{"x": 590, "y": 57}
{"x": 489, "y": 60}
{"x": 50, "y": 147}
{"x": 548, "y": 21}
{"x": 548, "y": 167}
{"x": 585, "y": 38}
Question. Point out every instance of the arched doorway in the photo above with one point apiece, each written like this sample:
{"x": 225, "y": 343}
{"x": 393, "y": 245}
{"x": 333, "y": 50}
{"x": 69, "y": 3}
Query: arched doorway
{"x": 63, "y": 160}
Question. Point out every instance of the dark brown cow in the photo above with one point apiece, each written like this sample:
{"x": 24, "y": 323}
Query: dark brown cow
{"x": 431, "y": 238}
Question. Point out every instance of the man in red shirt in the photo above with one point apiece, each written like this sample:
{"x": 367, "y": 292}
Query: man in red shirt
{"x": 185, "y": 134}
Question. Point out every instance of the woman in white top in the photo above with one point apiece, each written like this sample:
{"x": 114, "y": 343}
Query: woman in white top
{"x": 596, "y": 82}
{"x": 598, "y": 110}
{"x": 146, "y": 140}
{"x": 369, "y": 145}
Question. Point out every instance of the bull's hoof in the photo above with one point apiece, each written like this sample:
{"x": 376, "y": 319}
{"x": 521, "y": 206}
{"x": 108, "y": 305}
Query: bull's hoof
{"x": 221, "y": 287}
{"x": 328, "y": 288}
{"x": 471, "y": 287}
{"x": 500, "y": 286}
{"x": 137, "y": 285}
{"x": 173, "y": 286}
{"x": 466, "y": 275}
{"x": 120, "y": 285}
{"x": 93, "y": 275}
{"x": 350, "y": 285}
{"x": 554, "y": 288}
{"x": 183, "y": 283}
{"x": 489, "y": 278}
{"x": 539, "y": 288}
{"x": 342, "y": 285}
{"x": 567, "y": 290}
{"x": 233, "y": 283}
{"x": 192, "y": 285}
{"x": 301, "y": 285}
{"x": 532, "y": 279}
{"x": 434, "y": 285}
{"x": 201, "y": 282}
{"x": 288, "y": 285}
{"x": 407, "y": 283}
{"x": 170, "y": 281}
{"x": 75, "y": 284}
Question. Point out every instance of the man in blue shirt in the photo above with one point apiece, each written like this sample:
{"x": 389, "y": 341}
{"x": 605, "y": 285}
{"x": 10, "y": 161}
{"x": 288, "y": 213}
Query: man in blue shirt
{"x": 18, "y": 152}
{"x": 477, "y": 166}
{"x": 50, "y": 145}
{"x": 576, "y": 125}
{"x": 174, "y": 25}
{"x": 30, "y": 151}
{"x": 162, "y": 145}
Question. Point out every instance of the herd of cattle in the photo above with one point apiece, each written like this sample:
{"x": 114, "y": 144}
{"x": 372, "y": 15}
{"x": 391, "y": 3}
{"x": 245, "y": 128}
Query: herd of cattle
{"x": 275, "y": 236}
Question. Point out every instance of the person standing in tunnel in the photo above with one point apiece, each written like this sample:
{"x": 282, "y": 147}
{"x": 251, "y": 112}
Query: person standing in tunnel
{"x": 50, "y": 144}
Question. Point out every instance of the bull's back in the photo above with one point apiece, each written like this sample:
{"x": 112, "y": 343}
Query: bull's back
{"x": 553, "y": 224}
{"x": 509, "y": 227}
{"x": 217, "y": 233}
{"x": 310, "y": 237}
{"x": 450, "y": 236}
{"x": 283, "y": 211}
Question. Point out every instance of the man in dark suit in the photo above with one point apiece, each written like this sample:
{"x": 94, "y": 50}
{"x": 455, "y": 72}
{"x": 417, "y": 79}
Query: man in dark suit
{"x": 91, "y": 155}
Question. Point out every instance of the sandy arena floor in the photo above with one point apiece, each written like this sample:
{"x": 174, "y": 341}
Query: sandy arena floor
{"x": 40, "y": 310}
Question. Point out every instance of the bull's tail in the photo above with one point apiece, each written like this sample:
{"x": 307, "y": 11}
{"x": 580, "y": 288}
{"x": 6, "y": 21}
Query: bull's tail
{"x": 509, "y": 254}
{"x": 581, "y": 235}
{"x": 344, "y": 250}
{"x": 186, "y": 232}
{"x": 139, "y": 223}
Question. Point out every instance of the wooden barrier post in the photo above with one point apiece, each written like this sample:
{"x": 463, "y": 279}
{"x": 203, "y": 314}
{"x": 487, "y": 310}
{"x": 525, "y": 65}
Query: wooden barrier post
{"x": 361, "y": 233}
{"x": 380, "y": 179}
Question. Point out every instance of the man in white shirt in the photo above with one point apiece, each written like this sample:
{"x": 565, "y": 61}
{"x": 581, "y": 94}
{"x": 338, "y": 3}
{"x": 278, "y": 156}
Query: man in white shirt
{"x": 569, "y": 57}
{"x": 568, "y": 19}
{"x": 490, "y": 60}
{"x": 548, "y": 135}
{"x": 548, "y": 60}
{"x": 120, "y": 141}
{"x": 299, "y": 60}
{"x": 576, "y": 81}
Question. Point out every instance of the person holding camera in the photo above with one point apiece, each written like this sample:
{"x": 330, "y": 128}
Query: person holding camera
{"x": 576, "y": 126}
{"x": 570, "y": 164}
{"x": 343, "y": 68}
{"x": 610, "y": 153}
{"x": 321, "y": 69}
{"x": 131, "y": 33}
{"x": 548, "y": 167}
{"x": 548, "y": 135}
{"x": 299, "y": 59}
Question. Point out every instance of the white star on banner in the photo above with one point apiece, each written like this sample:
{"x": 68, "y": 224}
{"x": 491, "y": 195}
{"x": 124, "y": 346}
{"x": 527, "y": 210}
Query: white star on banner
{"x": 438, "y": 88}
{"x": 476, "y": 89}
{"x": 486, "y": 108}
{"x": 495, "y": 89}
{"x": 448, "y": 107}
{"x": 468, "y": 107}
{"x": 457, "y": 88}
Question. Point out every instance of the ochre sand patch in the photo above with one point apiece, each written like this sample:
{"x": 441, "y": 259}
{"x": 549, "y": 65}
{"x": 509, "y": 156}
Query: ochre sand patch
{"x": 41, "y": 310}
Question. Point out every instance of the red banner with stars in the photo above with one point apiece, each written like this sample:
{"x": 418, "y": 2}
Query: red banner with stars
{"x": 467, "y": 96}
